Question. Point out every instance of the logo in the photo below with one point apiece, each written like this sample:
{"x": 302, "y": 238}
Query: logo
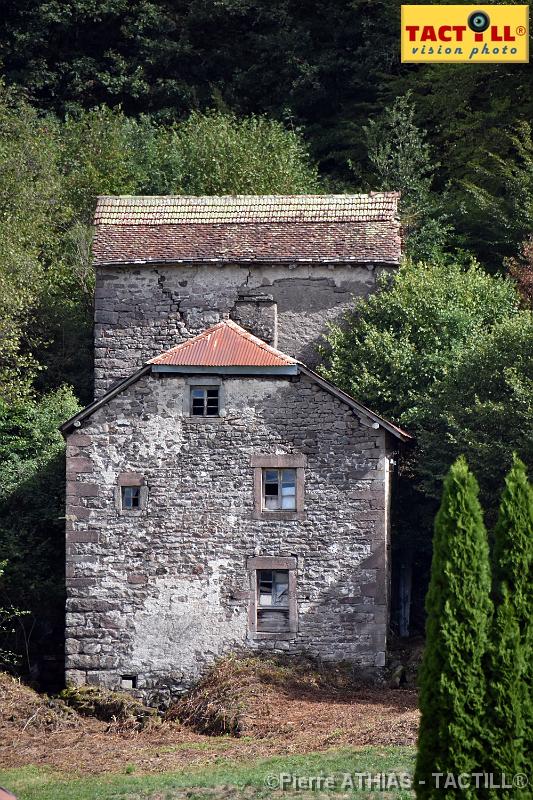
{"x": 475, "y": 34}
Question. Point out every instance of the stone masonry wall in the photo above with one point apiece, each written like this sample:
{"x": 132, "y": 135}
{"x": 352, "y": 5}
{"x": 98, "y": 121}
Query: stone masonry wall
{"x": 141, "y": 311}
{"x": 159, "y": 593}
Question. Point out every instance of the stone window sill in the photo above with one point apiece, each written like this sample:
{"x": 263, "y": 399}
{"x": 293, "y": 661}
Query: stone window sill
{"x": 282, "y": 636}
{"x": 282, "y": 516}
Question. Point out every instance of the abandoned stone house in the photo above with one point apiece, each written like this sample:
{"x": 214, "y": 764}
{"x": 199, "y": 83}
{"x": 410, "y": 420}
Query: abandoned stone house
{"x": 221, "y": 495}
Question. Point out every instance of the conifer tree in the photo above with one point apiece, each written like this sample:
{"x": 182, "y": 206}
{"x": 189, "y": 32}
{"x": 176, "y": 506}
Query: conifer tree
{"x": 458, "y": 604}
{"x": 510, "y": 714}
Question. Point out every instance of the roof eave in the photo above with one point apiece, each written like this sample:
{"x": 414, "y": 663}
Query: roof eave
{"x": 396, "y": 431}
{"x": 289, "y": 369}
{"x": 77, "y": 419}
{"x": 240, "y": 260}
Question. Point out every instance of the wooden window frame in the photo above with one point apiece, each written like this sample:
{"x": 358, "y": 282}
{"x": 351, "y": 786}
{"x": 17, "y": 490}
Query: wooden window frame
{"x": 206, "y": 389}
{"x": 135, "y": 480}
{"x": 286, "y": 563}
{"x": 285, "y": 461}
{"x": 203, "y": 382}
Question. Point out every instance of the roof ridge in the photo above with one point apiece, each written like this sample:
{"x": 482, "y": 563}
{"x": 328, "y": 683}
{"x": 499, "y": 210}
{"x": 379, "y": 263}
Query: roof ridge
{"x": 199, "y": 197}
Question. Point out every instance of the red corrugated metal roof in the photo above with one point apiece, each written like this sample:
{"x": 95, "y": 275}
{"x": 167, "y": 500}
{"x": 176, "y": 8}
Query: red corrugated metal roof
{"x": 224, "y": 345}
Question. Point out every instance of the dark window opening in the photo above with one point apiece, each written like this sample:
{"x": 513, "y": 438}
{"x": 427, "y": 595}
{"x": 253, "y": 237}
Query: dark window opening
{"x": 128, "y": 682}
{"x": 279, "y": 489}
{"x": 205, "y": 402}
{"x": 131, "y": 496}
{"x": 273, "y": 600}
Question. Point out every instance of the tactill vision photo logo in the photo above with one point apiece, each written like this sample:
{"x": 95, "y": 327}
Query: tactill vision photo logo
{"x": 475, "y": 34}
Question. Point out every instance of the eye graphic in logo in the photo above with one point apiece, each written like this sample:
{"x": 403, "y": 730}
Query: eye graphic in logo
{"x": 478, "y": 21}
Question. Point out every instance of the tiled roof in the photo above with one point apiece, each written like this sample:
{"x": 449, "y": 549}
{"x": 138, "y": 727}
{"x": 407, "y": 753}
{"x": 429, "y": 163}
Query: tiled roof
{"x": 224, "y": 345}
{"x": 357, "y": 228}
{"x": 243, "y": 209}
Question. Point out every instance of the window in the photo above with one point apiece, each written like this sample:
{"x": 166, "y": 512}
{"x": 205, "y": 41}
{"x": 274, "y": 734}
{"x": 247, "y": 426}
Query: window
{"x": 279, "y": 489}
{"x": 279, "y": 486}
{"x": 204, "y": 401}
{"x": 131, "y": 496}
{"x": 272, "y": 600}
{"x": 273, "y": 610}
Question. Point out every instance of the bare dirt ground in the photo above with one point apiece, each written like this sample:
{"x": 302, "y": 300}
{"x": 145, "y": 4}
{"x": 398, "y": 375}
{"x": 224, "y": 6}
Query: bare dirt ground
{"x": 275, "y": 718}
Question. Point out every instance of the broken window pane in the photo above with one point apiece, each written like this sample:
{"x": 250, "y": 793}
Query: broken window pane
{"x": 279, "y": 489}
{"x": 272, "y": 600}
{"x": 280, "y": 589}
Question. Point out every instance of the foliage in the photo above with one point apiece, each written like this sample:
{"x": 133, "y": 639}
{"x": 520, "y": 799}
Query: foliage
{"x": 482, "y": 407}
{"x": 498, "y": 194}
{"x": 32, "y": 476}
{"x": 509, "y": 666}
{"x": 401, "y": 160}
{"x": 325, "y": 68}
{"x": 445, "y": 352}
{"x": 218, "y": 154}
{"x": 52, "y": 173}
{"x": 8, "y": 615}
{"x": 452, "y": 683}
{"x": 28, "y": 192}
{"x": 520, "y": 269}
{"x": 105, "y": 152}
{"x": 319, "y": 65}
{"x": 397, "y": 345}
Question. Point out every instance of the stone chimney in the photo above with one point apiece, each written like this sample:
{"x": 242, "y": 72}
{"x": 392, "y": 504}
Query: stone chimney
{"x": 258, "y": 314}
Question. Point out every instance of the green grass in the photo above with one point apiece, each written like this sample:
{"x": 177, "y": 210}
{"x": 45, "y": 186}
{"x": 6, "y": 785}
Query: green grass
{"x": 229, "y": 779}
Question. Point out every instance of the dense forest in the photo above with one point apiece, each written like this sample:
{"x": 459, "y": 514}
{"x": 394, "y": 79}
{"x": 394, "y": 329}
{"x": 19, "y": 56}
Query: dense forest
{"x": 235, "y": 96}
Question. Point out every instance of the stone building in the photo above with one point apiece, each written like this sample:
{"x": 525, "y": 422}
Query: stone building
{"x": 221, "y": 495}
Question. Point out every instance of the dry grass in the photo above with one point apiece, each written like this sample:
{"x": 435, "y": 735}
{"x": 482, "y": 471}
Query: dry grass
{"x": 121, "y": 710}
{"x": 272, "y": 709}
{"x": 21, "y": 708}
{"x": 237, "y": 690}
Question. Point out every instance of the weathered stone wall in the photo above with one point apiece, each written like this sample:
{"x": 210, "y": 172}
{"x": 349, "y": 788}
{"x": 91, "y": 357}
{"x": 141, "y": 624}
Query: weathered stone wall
{"x": 141, "y": 311}
{"x": 159, "y": 593}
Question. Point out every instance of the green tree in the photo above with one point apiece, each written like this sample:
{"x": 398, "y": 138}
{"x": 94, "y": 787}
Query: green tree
{"x": 32, "y": 524}
{"x": 497, "y": 201}
{"x": 217, "y": 153}
{"x": 509, "y": 666}
{"x": 401, "y": 160}
{"x": 29, "y": 222}
{"x": 458, "y": 604}
{"x": 483, "y": 407}
{"x": 321, "y": 65}
{"x": 420, "y": 352}
{"x": 394, "y": 347}
{"x": 52, "y": 173}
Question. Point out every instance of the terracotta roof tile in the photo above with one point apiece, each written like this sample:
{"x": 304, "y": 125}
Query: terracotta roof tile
{"x": 357, "y": 228}
{"x": 243, "y": 209}
{"x": 224, "y": 345}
